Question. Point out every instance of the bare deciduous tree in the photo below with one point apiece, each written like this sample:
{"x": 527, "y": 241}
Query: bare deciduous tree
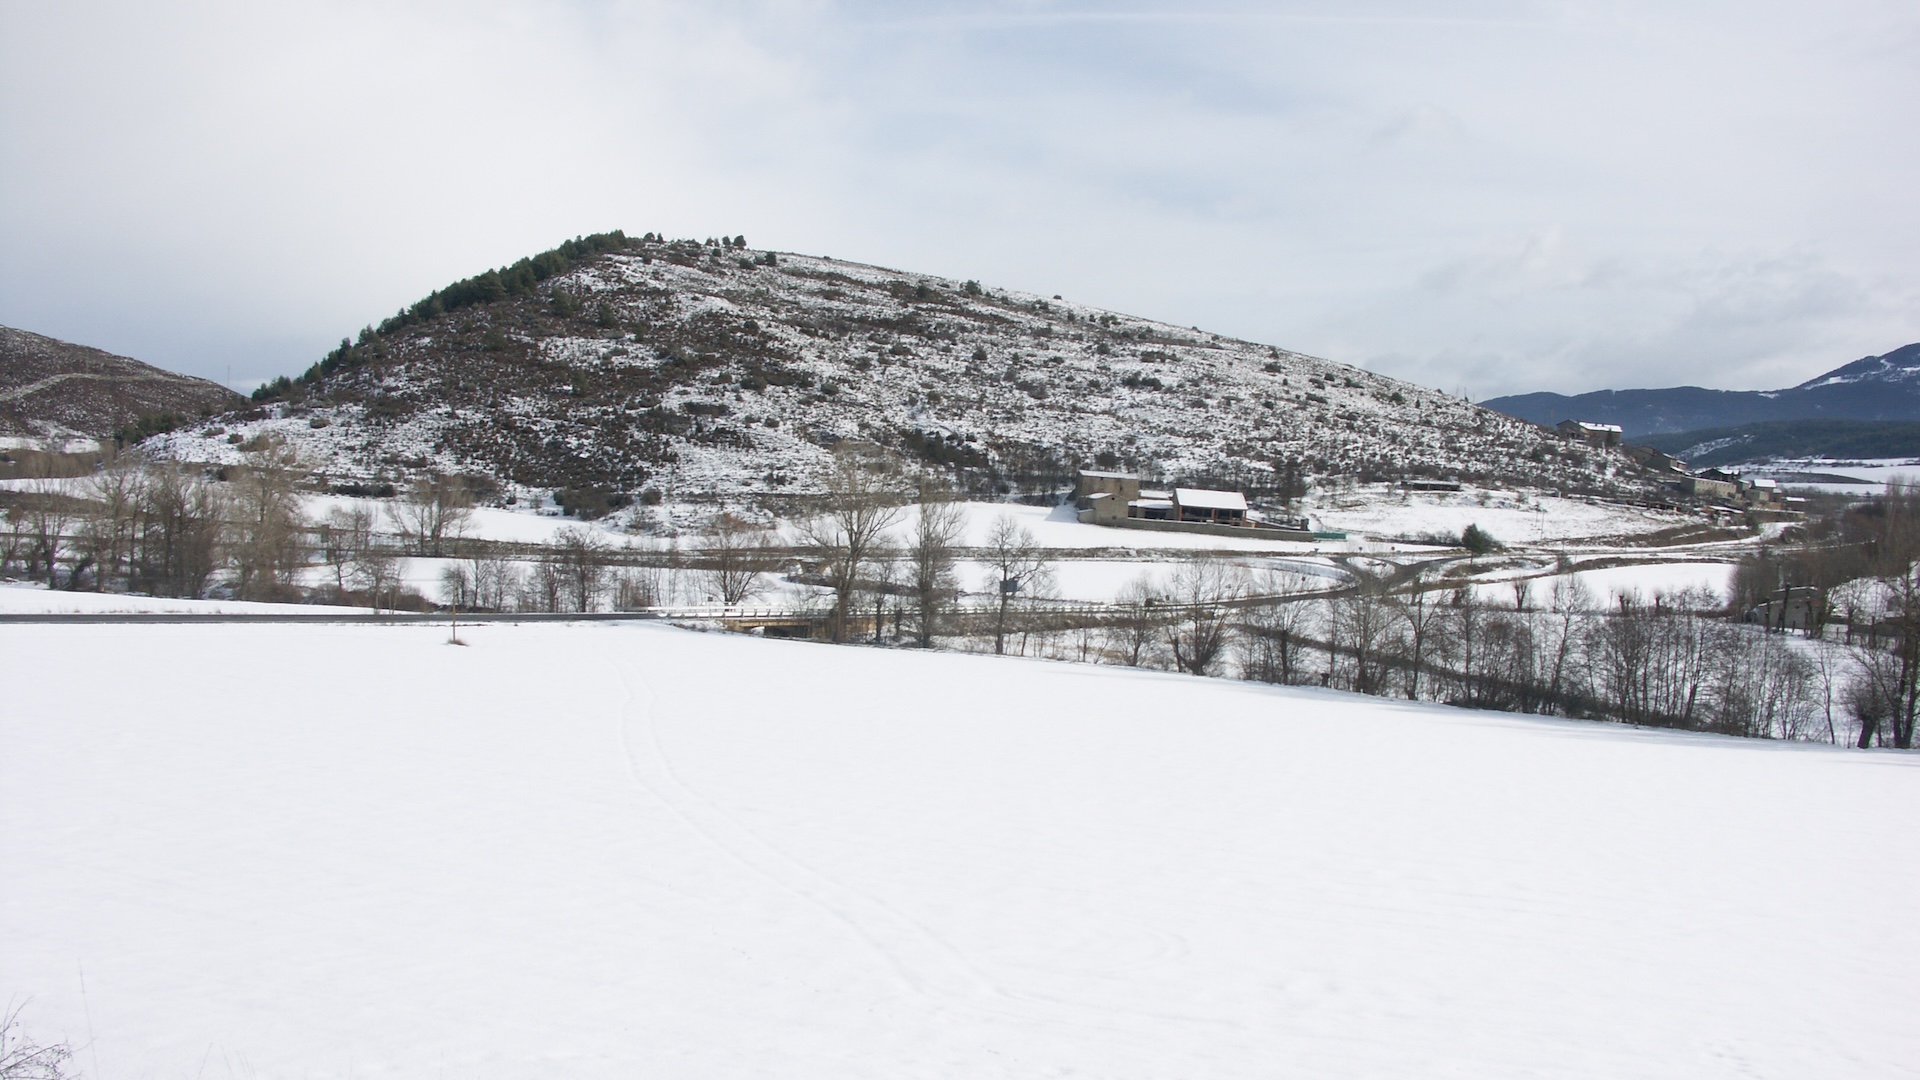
{"x": 1569, "y": 600}
{"x": 882, "y": 579}
{"x": 1361, "y": 622}
{"x": 433, "y": 512}
{"x": 544, "y": 587}
{"x": 47, "y": 514}
{"x": 931, "y": 557}
{"x": 495, "y": 581}
{"x": 182, "y": 528}
{"x": 344, "y": 538}
{"x": 1271, "y": 637}
{"x": 1420, "y": 620}
{"x": 861, "y": 503}
{"x": 1134, "y": 630}
{"x": 376, "y": 572}
{"x": 583, "y": 568}
{"x": 738, "y": 555}
{"x": 108, "y": 531}
{"x": 267, "y": 522}
{"x": 1201, "y": 593}
{"x": 1016, "y": 563}
{"x": 1522, "y": 593}
{"x": 12, "y": 538}
{"x": 637, "y": 588}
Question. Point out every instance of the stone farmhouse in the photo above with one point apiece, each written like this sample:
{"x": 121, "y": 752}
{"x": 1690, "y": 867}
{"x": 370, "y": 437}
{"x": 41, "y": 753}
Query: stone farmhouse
{"x": 1601, "y": 435}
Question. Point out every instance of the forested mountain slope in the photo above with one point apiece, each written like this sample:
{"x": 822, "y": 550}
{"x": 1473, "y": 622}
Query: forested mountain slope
{"x": 613, "y": 363}
{"x": 1885, "y": 387}
{"x": 1792, "y": 439}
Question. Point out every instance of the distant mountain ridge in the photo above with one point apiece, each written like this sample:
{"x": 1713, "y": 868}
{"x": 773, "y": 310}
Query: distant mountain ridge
{"x": 1790, "y": 439}
{"x": 50, "y": 387}
{"x": 1885, "y": 387}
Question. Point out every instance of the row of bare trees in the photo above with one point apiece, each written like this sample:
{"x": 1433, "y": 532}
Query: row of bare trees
{"x": 1665, "y": 660}
{"x": 172, "y": 530}
{"x": 1851, "y": 586}
{"x": 161, "y": 530}
{"x": 181, "y": 531}
{"x": 577, "y": 574}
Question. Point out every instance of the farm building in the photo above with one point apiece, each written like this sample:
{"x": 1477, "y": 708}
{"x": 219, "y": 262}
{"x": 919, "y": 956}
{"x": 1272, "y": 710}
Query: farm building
{"x": 1212, "y": 507}
{"x": 1118, "y": 499}
{"x": 1601, "y": 435}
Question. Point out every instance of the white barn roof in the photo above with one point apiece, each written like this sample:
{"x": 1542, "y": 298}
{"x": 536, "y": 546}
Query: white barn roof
{"x": 1204, "y": 499}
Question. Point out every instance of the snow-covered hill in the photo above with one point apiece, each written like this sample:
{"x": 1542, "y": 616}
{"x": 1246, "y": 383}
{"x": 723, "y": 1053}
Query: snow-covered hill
{"x": 714, "y": 369}
{"x": 621, "y": 851}
{"x": 53, "y": 388}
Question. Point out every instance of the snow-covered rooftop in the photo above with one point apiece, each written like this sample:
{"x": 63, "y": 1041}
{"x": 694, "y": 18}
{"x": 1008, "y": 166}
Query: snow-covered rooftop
{"x": 1208, "y": 499}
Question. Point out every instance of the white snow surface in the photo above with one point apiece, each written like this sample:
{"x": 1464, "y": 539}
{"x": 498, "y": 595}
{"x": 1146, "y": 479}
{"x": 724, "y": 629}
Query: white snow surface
{"x": 1511, "y": 517}
{"x": 1872, "y": 473}
{"x": 1605, "y": 584}
{"x": 616, "y": 851}
{"x": 30, "y": 598}
{"x": 1058, "y": 527}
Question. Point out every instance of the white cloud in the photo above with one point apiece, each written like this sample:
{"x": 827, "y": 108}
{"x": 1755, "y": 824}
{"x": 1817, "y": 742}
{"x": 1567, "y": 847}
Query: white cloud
{"x": 1515, "y": 196}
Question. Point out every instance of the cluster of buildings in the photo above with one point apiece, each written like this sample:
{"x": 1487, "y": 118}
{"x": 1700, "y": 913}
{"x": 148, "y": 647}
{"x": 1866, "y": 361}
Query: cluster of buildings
{"x": 1118, "y": 499}
{"x": 1758, "y": 498}
{"x": 1723, "y": 493}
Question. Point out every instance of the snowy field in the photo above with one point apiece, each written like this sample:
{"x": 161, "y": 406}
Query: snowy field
{"x": 1103, "y": 580}
{"x": 27, "y": 598}
{"x": 617, "y": 851}
{"x": 486, "y": 522}
{"x": 1872, "y": 473}
{"x": 1715, "y": 578}
{"x": 1604, "y": 585}
{"x": 1512, "y": 518}
{"x": 1056, "y": 527}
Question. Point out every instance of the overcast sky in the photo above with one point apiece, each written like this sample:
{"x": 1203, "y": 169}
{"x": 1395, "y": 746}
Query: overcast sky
{"x": 1484, "y": 197}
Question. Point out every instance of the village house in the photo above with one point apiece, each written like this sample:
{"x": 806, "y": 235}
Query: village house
{"x": 1711, "y": 485}
{"x": 1600, "y": 435}
{"x": 1728, "y": 494}
{"x": 1792, "y": 608}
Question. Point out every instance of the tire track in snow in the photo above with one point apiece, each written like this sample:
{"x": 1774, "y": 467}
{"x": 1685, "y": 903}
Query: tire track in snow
{"x": 924, "y": 962}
